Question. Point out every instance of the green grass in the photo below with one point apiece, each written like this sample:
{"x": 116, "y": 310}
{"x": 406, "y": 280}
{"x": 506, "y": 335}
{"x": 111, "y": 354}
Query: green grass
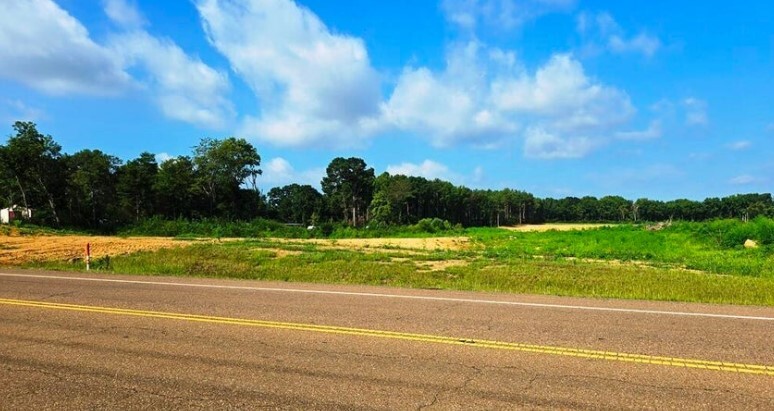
{"x": 536, "y": 263}
{"x": 715, "y": 247}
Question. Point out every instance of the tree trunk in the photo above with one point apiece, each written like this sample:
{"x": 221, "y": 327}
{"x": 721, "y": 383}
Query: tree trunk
{"x": 23, "y": 193}
{"x": 50, "y": 201}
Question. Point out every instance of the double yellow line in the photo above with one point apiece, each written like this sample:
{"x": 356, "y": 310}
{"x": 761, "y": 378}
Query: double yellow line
{"x": 542, "y": 349}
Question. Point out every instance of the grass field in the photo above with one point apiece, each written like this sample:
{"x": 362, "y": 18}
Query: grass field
{"x": 686, "y": 262}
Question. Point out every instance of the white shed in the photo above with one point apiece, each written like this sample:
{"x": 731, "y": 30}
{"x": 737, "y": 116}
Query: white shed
{"x": 15, "y": 213}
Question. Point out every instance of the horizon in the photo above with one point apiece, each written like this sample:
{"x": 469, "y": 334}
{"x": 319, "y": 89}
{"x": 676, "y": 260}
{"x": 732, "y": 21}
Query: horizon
{"x": 556, "y": 98}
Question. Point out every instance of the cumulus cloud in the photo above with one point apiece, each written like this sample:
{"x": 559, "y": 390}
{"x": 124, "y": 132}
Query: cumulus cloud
{"x": 484, "y": 97}
{"x": 279, "y": 172}
{"x": 503, "y": 14}
{"x": 44, "y": 47}
{"x": 539, "y": 143}
{"x": 183, "y": 87}
{"x": 602, "y": 32}
{"x": 453, "y": 105}
{"x": 314, "y": 86}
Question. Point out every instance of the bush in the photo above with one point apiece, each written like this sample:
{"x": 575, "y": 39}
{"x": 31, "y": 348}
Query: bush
{"x": 431, "y": 225}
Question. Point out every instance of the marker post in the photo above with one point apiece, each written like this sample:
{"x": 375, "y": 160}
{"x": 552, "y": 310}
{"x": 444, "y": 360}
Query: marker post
{"x": 88, "y": 256}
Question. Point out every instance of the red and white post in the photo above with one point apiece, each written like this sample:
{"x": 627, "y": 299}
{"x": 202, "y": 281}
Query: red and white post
{"x": 88, "y": 256}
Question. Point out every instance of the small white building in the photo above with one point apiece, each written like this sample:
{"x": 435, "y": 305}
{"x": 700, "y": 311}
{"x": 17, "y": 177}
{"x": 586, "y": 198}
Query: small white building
{"x": 15, "y": 213}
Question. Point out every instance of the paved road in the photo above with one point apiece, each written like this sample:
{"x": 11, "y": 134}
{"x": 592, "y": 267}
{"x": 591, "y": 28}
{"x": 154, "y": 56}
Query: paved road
{"x": 75, "y": 341}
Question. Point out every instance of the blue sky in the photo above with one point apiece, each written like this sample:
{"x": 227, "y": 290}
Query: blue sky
{"x": 557, "y": 97}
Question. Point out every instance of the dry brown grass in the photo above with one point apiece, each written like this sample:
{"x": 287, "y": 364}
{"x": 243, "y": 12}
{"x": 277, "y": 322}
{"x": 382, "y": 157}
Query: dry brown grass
{"x": 15, "y": 250}
{"x": 387, "y": 244}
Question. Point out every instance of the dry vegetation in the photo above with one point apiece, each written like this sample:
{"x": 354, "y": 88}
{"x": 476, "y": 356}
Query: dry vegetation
{"x": 16, "y": 250}
{"x": 387, "y": 244}
{"x": 554, "y": 227}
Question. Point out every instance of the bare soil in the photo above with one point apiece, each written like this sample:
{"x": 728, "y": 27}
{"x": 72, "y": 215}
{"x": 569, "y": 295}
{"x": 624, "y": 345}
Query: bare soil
{"x": 556, "y": 227}
{"x": 15, "y": 250}
{"x": 388, "y": 244}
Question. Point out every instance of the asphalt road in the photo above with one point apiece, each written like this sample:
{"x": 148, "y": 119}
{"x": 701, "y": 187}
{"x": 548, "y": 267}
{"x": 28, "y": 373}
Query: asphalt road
{"x": 75, "y": 341}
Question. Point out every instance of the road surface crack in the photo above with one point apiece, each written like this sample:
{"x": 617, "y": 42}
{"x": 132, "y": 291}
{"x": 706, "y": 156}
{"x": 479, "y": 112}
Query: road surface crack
{"x": 468, "y": 379}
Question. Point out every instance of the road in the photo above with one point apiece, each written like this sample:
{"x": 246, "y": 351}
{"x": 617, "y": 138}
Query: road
{"x": 90, "y": 341}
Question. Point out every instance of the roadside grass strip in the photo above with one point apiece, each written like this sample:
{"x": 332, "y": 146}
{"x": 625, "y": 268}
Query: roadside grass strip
{"x": 541, "y": 349}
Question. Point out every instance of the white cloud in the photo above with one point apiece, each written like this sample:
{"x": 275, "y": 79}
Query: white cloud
{"x": 314, "y": 86}
{"x": 642, "y": 43}
{"x": 428, "y": 169}
{"x": 17, "y": 110}
{"x": 183, "y": 86}
{"x": 432, "y": 170}
{"x": 502, "y": 14}
{"x": 124, "y": 14}
{"x": 653, "y": 131}
{"x": 744, "y": 179}
{"x": 451, "y": 106}
{"x": 739, "y": 145}
{"x": 695, "y": 112}
{"x": 561, "y": 91}
{"x": 541, "y": 144}
{"x": 279, "y": 172}
{"x": 162, "y": 157}
{"x": 484, "y": 97}
{"x": 44, "y": 47}
{"x": 601, "y": 31}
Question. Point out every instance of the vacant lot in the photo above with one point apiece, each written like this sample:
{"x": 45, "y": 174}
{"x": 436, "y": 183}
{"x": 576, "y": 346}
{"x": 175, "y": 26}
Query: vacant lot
{"x": 17, "y": 250}
{"x": 685, "y": 262}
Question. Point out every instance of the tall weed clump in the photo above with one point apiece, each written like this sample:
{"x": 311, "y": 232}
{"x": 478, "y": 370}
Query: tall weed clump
{"x": 733, "y": 233}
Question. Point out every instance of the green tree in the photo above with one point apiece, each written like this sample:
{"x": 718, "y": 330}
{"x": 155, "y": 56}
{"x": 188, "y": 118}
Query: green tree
{"x": 136, "y": 181}
{"x": 175, "y": 186}
{"x": 221, "y": 167}
{"x": 32, "y": 163}
{"x": 348, "y": 186}
{"x": 91, "y": 188}
{"x": 295, "y": 203}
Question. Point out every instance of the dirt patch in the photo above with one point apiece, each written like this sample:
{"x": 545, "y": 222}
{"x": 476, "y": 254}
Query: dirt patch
{"x": 15, "y": 250}
{"x": 555, "y": 227}
{"x": 387, "y": 244}
{"x": 282, "y": 253}
{"x": 440, "y": 265}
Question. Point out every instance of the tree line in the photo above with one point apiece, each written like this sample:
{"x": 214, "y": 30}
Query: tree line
{"x": 94, "y": 190}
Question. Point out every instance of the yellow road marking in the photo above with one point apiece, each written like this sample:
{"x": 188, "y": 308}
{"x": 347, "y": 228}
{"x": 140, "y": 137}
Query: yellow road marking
{"x": 543, "y": 349}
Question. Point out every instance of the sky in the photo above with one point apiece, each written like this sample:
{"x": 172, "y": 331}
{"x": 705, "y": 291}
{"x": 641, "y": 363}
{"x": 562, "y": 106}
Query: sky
{"x": 657, "y": 99}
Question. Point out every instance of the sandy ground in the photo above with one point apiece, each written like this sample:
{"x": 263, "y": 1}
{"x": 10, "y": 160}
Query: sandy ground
{"x": 387, "y": 244}
{"x": 17, "y": 250}
{"x": 556, "y": 227}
